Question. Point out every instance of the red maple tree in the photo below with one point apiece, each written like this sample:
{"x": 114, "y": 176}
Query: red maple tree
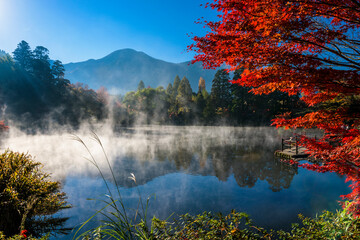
{"x": 307, "y": 47}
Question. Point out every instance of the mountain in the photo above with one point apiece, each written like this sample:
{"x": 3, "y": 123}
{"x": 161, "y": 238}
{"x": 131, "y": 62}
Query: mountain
{"x": 122, "y": 70}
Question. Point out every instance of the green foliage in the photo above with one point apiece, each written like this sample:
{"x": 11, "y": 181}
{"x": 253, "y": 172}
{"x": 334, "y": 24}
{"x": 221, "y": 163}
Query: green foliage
{"x": 21, "y": 237}
{"x": 183, "y": 98}
{"x": 176, "y": 86}
{"x": 58, "y": 70}
{"x": 329, "y": 225}
{"x": 23, "y": 55}
{"x": 141, "y": 86}
{"x": 220, "y": 90}
{"x": 35, "y": 91}
{"x": 209, "y": 226}
{"x": 169, "y": 89}
{"x": 80, "y": 104}
{"x": 27, "y": 197}
{"x": 147, "y": 106}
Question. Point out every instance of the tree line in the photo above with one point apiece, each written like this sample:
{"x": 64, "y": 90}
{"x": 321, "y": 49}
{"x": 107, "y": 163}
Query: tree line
{"x": 227, "y": 103}
{"x": 34, "y": 91}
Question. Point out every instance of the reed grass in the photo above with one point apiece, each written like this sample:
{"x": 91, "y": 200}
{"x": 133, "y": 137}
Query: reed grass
{"x": 117, "y": 223}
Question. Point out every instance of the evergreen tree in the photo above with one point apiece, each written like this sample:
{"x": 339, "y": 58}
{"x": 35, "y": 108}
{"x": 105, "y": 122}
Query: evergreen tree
{"x": 141, "y": 86}
{"x": 42, "y": 70}
{"x": 242, "y": 100}
{"x": 176, "y": 86}
{"x": 184, "y": 92}
{"x": 169, "y": 89}
{"x": 220, "y": 90}
{"x": 58, "y": 70}
{"x": 23, "y": 55}
{"x": 200, "y": 101}
{"x": 41, "y": 53}
{"x": 183, "y": 101}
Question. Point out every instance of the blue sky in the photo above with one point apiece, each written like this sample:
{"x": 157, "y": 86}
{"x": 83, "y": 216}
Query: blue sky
{"x": 77, "y": 30}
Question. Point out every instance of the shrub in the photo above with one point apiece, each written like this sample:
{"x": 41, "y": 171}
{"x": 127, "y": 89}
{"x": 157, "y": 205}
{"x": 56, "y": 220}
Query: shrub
{"x": 210, "y": 226}
{"x": 329, "y": 225}
{"x": 27, "y": 197}
{"x": 22, "y": 236}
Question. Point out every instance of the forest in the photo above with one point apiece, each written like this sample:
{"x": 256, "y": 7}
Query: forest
{"x": 34, "y": 92}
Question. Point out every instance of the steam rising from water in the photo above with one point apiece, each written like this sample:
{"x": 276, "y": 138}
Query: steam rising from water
{"x": 190, "y": 169}
{"x": 62, "y": 156}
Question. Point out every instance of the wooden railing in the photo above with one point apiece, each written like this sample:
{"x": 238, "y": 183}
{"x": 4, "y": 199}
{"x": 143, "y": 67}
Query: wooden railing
{"x": 290, "y": 143}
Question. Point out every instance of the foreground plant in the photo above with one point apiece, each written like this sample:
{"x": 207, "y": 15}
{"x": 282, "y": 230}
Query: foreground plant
{"x": 28, "y": 199}
{"x": 117, "y": 223}
{"x": 329, "y": 225}
{"x": 23, "y": 235}
{"x": 210, "y": 226}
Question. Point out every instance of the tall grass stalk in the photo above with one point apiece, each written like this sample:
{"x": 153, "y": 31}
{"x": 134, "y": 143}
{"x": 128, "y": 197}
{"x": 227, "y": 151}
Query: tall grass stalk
{"x": 117, "y": 223}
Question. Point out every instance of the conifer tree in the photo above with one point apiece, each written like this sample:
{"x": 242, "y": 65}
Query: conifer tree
{"x": 58, "y": 70}
{"x": 141, "y": 86}
{"x": 220, "y": 90}
{"x": 23, "y": 55}
{"x": 169, "y": 89}
{"x": 176, "y": 86}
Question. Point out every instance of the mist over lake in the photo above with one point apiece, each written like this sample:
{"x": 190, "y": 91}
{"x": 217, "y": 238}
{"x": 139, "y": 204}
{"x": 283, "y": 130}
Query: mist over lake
{"x": 183, "y": 170}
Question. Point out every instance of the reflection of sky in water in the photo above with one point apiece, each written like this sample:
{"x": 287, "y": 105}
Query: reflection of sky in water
{"x": 179, "y": 193}
{"x": 188, "y": 169}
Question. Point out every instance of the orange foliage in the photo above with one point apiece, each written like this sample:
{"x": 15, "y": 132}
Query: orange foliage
{"x": 309, "y": 47}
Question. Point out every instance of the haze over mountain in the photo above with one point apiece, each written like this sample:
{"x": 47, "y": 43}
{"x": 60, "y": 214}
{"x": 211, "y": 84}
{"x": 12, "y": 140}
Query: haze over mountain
{"x": 122, "y": 70}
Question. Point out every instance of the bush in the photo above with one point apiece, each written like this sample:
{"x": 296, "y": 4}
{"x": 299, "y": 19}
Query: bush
{"x": 329, "y": 225}
{"x": 27, "y": 197}
{"x": 209, "y": 226}
{"x": 21, "y": 237}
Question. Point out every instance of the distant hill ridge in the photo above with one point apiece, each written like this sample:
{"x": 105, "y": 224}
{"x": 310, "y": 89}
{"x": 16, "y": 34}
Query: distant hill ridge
{"x": 122, "y": 70}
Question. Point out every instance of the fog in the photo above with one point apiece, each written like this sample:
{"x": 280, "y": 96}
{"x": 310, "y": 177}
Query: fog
{"x": 147, "y": 146}
{"x": 190, "y": 170}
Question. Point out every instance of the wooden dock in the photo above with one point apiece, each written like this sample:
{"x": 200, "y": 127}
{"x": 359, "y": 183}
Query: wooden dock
{"x": 290, "y": 149}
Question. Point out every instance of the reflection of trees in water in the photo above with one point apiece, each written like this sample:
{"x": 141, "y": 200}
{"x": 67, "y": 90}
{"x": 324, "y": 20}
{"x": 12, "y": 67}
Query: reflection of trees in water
{"x": 249, "y": 158}
{"x": 250, "y": 166}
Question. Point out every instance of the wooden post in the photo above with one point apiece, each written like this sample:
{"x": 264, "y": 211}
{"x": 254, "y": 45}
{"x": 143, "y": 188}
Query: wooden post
{"x": 296, "y": 145}
{"x": 282, "y": 144}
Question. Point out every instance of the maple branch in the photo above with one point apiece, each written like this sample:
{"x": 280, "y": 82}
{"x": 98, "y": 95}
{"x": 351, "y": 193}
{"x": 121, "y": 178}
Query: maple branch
{"x": 328, "y": 13}
{"x": 355, "y": 64}
{"x": 356, "y": 2}
{"x": 328, "y": 4}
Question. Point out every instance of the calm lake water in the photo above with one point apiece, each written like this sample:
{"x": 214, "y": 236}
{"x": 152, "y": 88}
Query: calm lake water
{"x": 184, "y": 169}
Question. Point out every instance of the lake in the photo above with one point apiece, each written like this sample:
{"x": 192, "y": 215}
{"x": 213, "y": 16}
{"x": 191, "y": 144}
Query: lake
{"x": 183, "y": 169}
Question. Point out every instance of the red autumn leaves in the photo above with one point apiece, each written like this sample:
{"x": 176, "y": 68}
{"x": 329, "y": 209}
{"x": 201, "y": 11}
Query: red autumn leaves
{"x": 306, "y": 47}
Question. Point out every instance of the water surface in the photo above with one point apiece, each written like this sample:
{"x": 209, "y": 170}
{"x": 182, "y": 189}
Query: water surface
{"x": 184, "y": 169}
